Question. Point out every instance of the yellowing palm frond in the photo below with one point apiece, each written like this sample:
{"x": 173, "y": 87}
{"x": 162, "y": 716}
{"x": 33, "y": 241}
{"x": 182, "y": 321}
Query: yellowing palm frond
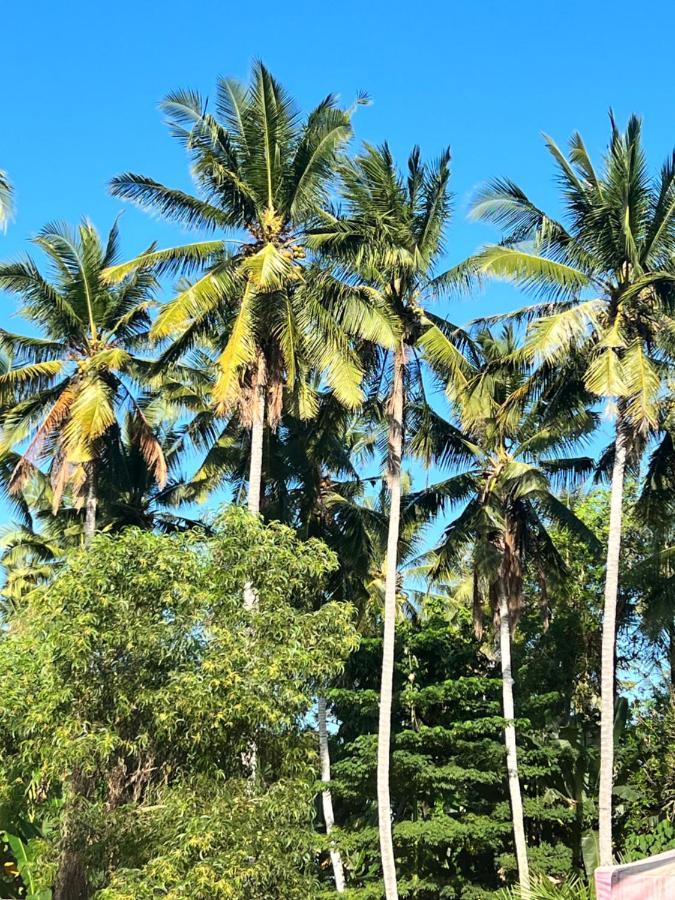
{"x": 605, "y": 375}
{"x": 91, "y": 415}
{"x": 554, "y": 337}
{"x": 239, "y": 352}
{"x": 270, "y": 269}
{"x": 642, "y": 384}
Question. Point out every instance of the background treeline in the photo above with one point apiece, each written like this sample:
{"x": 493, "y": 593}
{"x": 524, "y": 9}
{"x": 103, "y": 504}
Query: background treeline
{"x": 434, "y": 656}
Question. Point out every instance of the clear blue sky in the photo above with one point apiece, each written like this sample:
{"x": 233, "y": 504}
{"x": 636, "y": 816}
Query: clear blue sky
{"x": 82, "y": 81}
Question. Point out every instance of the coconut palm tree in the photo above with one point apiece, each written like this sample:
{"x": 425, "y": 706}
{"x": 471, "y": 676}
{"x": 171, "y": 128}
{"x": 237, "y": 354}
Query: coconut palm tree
{"x": 390, "y": 236}
{"x": 518, "y": 427}
{"x": 262, "y": 174}
{"x": 6, "y": 200}
{"x": 607, "y": 272}
{"x": 33, "y": 547}
{"x": 65, "y": 391}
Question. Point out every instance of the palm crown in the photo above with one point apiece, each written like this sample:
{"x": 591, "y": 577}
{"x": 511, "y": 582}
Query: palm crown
{"x": 391, "y": 235}
{"x": 65, "y": 390}
{"x": 517, "y": 431}
{"x": 263, "y": 171}
{"x": 608, "y": 273}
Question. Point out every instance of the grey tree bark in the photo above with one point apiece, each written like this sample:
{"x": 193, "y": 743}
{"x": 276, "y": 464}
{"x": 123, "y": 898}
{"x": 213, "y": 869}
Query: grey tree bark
{"x": 326, "y": 798}
{"x": 387, "y": 682}
{"x": 519, "y": 838}
{"x": 608, "y": 646}
{"x": 91, "y": 505}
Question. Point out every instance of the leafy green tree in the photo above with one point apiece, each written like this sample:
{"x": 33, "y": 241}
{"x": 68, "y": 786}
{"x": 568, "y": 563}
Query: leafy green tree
{"x": 66, "y": 390}
{"x": 391, "y": 235}
{"x": 518, "y": 430}
{"x": 147, "y": 682}
{"x": 262, "y": 171}
{"x": 609, "y": 277}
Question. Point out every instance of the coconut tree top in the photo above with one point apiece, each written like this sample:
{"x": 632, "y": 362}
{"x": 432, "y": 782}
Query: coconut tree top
{"x": 606, "y": 270}
{"x": 262, "y": 172}
{"x": 64, "y": 390}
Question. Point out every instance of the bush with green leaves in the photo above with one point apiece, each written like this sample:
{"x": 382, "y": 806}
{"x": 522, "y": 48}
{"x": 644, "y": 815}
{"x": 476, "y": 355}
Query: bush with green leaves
{"x": 134, "y": 687}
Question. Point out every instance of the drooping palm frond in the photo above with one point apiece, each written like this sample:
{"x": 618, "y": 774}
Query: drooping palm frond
{"x": 65, "y": 390}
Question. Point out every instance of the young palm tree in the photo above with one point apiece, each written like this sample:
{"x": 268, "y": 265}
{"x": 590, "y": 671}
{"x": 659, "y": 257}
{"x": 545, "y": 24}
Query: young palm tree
{"x": 65, "y": 391}
{"x": 609, "y": 273}
{"x": 390, "y": 236}
{"x": 516, "y": 428}
{"x": 262, "y": 174}
{"x": 6, "y": 200}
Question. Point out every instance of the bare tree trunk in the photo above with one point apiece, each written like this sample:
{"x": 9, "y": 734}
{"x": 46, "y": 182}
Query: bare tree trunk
{"x": 519, "y": 839}
{"x": 387, "y": 683}
{"x": 257, "y": 435}
{"x": 255, "y": 465}
{"x": 91, "y": 505}
{"x": 250, "y": 756}
{"x": 326, "y": 798}
{"x": 71, "y": 881}
{"x": 608, "y": 646}
{"x": 71, "y": 878}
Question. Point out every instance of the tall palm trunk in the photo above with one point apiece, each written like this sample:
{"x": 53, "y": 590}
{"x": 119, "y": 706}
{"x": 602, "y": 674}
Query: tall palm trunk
{"x": 71, "y": 881}
{"x": 608, "y": 645}
{"x": 91, "y": 505}
{"x": 326, "y": 798}
{"x": 250, "y": 755}
{"x": 257, "y": 436}
{"x": 387, "y": 683}
{"x": 510, "y": 742}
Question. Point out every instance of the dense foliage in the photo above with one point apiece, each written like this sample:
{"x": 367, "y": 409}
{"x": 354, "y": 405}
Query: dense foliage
{"x": 135, "y": 685}
{"x": 374, "y": 681}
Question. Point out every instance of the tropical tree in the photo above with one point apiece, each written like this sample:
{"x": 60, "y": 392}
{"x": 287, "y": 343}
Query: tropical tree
{"x": 6, "y": 200}
{"x": 34, "y": 547}
{"x": 390, "y": 236}
{"x": 262, "y": 174}
{"x": 518, "y": 428}
{"x": 66, "y": 390}
{"x": 607, "y": 272}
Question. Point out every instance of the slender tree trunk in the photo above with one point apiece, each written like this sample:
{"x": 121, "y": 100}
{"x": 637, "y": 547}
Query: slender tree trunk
{"x": 250, "y": 756}
{"x": 608, "y": 646}
{"x": 71, "y": 881}
{"x": 671, "y": 654}
{"x": 387, "y": 684}
{"x": 257, "y": 435}
{"x": 255, "y": 465}
{"x": 519, "y": 839}
{"x": 326, "y": 798}
{"x": 91, "y": 505}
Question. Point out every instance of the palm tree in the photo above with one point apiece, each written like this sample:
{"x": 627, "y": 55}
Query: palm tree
{"x": 390, "y": 236}
{"x": 6, "y": 200}
{"x": 608, "y": 274}
{"x": 262, "y": 174}
{"x": 34, "y": 546}
{"x": 65, "y": 390}
{"x": 516, "y": 425}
